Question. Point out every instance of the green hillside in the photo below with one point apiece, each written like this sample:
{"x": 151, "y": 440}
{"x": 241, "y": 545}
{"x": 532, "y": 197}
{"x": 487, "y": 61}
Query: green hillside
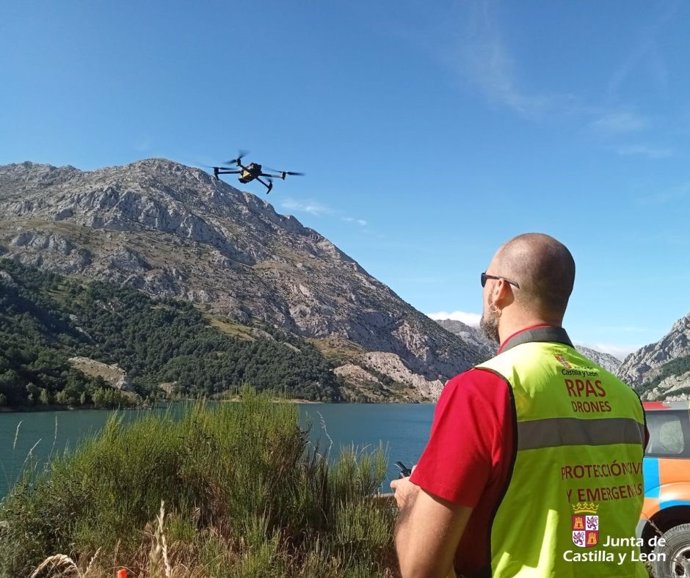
{"x": 46, "y": 319}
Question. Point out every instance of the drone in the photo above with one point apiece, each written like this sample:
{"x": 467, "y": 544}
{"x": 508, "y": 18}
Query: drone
{"x": 252, "y": 172}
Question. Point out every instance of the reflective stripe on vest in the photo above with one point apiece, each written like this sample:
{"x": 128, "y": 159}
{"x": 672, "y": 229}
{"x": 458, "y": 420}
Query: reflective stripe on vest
{"x": 568, "y": 431}
{"x": 575, "y": 494}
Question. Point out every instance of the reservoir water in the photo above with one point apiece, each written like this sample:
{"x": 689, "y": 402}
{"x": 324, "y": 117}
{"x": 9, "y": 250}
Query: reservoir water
{"x": 401, "y": 429}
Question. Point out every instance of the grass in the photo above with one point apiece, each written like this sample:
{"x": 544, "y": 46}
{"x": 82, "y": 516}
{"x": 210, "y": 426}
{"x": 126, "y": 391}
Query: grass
{"x": 244, "y": 494}
{"x": 232, "y": 329}
{"x": 338, "y": 350}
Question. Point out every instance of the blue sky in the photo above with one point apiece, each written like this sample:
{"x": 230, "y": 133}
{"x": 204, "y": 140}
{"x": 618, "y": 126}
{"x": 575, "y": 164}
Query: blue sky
{"x": 429, "y": 132}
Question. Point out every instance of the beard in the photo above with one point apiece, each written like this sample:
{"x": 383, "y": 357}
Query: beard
{"x": 488, "y": 325}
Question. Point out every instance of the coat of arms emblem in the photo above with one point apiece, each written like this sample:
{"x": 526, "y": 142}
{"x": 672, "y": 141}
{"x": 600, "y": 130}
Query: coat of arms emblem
{"x": 585, "y": 524}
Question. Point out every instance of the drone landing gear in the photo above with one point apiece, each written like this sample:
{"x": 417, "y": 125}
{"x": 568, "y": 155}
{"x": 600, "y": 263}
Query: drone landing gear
{"x": 268, "y": 185}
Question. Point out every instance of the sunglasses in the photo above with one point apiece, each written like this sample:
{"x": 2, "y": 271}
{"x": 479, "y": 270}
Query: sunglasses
{"x": 485, "y": 276}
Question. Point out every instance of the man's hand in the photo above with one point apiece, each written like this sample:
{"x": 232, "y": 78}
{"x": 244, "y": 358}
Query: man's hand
{"x": 428, "y": 531}
{"x": 404, "y": 490}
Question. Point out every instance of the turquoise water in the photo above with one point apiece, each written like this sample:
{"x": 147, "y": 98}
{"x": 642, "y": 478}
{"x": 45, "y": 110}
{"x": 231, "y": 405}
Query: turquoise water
{"x": 401, "y": 429}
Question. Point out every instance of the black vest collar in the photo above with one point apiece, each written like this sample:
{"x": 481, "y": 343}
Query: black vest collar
{"x": 538, "y": 334}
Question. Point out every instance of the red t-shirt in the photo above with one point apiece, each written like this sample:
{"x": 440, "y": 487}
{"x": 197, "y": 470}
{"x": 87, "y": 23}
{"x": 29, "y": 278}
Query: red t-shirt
{"x": 469, "y": 457}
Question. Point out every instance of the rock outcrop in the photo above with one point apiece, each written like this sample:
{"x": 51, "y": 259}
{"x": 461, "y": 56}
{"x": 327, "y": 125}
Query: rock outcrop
{"x": 661, "y": 369}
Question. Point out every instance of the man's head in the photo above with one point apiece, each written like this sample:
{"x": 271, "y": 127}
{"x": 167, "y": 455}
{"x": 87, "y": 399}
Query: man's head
{"x": 529, "y": 281}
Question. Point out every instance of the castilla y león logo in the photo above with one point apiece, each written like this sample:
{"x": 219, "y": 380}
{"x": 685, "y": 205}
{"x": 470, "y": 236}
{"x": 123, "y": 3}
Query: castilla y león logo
{"x": 562, "y": 360}
{"x": 585, "y": 524}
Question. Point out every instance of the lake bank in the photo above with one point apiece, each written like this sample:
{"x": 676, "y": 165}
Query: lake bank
{"x": 401, "y": 428}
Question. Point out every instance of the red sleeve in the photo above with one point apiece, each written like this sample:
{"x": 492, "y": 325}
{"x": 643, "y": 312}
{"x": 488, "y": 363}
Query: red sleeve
{"x": 467, "y": 447}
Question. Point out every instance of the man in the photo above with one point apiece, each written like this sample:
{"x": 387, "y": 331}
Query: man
{"x": 533, "y": 466}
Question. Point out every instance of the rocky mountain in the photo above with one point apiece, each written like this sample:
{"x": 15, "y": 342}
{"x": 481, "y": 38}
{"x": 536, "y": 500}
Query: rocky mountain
{"x": 487, "y": 348}
{"x": 469, "y": 334}
{"x": 606, "y": 360}
{"x": 662, "y": 370}
{"x": 174, "y": 231}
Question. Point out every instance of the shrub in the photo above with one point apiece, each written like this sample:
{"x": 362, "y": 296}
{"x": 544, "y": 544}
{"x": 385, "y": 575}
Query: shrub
{"x": 244, "y": 495}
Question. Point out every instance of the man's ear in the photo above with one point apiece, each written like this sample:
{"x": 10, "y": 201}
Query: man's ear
{"x": 502, "y": 294}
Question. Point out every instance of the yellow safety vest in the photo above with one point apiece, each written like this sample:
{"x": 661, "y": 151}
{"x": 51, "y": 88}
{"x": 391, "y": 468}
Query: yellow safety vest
{"x": 575, "y": 494}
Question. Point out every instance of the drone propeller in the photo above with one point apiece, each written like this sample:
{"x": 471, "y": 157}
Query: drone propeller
{"x": 240, "y": 155}
{"x": 282, "y": 172}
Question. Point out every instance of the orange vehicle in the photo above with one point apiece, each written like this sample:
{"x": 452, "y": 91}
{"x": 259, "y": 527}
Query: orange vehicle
{"x": 665, "y": 522}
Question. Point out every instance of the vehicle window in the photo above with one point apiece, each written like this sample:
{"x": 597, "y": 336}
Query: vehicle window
{"x": 666, "y": 434}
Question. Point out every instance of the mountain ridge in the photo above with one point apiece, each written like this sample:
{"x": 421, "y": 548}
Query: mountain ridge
{"x": 174, "y": 231}
{"x": 488, "y": 348}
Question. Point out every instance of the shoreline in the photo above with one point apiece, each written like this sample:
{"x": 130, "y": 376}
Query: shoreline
{"x": 297, "y": 401}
